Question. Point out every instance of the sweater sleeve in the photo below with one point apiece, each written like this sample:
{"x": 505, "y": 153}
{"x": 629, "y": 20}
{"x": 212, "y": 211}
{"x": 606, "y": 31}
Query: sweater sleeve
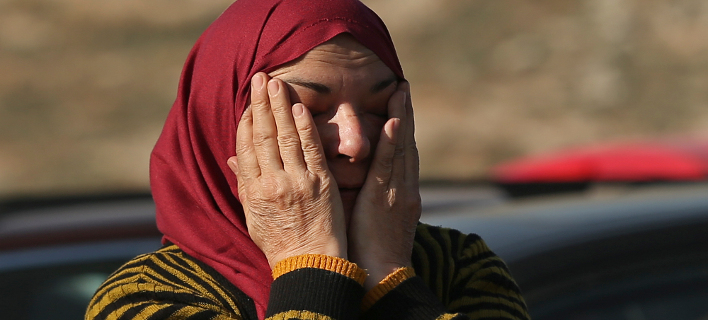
{"x": 315, "y": 287}
{"x": 455, "y": 276}
{"x": 162, "y": 285}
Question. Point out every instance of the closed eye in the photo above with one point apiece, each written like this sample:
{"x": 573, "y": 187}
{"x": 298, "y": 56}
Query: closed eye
{"x": 381, "y": 85}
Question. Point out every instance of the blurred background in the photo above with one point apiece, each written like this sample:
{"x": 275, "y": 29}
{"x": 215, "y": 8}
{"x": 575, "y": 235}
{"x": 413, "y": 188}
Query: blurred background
{"x": 85, "y": 85}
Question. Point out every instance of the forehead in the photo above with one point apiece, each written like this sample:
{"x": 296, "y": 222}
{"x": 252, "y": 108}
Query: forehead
{"x": 342, "y": 54}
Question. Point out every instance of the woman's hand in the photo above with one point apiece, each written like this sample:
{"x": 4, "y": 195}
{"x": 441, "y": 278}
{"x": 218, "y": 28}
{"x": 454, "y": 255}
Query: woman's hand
{"x": 290, "y": 199}
{"x": 387, "y": 210}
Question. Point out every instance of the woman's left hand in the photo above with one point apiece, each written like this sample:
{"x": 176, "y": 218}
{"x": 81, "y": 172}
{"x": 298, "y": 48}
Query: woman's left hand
{"x": 386, "y": 213}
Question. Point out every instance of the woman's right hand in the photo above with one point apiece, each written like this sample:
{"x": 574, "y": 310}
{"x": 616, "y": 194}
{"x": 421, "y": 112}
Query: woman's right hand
{"x": 290, "y": 199}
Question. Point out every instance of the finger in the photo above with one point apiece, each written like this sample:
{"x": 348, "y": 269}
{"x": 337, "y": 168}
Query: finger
{"x": 245, "y": 151}
{"x": 233, "y": 165}
{"x": 288, "y": 139}
{"x": 265, "y": 134}
{"x": 412, "y": 160}
{"x": 397, "y": 105}
{"x": 396, "y": 109}
{"x": 382, "y": 164}
{"x": 310, "y": 143}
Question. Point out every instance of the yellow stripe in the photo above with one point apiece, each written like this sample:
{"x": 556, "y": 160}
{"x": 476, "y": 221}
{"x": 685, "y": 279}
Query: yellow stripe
{"x": 111, "y": 285}
{"x": 182, "y": 276}
{"x": 422, "y": 271}
{"x": 438, "y": 259}
{"x": 213, "y": 284}
{"x": 96, "y": 308}
{"x": 447, "y": 316}
{"x": 447, "y": 282}
{"x": 300, "y": 315}
{"x": 150, "y": 310}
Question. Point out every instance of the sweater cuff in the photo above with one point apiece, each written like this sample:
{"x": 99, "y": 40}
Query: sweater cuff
{"x": 385, "y": 286}
{"x": 411, "y": 299}
{"x": 320, "y": 261}
{"x": 313, "y": 286}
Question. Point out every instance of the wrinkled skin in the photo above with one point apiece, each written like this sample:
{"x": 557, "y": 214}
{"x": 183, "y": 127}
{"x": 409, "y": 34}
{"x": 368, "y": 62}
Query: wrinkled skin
{"x": 327, "y": 162}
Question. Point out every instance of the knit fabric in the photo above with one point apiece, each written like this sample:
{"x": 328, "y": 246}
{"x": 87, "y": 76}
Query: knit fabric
{"x": 454, "y": 276}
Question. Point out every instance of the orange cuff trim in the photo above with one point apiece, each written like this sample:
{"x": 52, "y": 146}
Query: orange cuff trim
{"x": 320, "y": 261}
{"x": 386, "y": 285}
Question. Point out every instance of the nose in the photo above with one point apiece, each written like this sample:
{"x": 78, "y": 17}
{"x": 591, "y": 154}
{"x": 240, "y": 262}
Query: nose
{"x": 353, "y": 143}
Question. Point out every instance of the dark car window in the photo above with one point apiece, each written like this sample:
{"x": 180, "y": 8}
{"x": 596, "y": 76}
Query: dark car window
{"x": 54, "y": 292}
{"x": 58, "y": 282}
{"x": 678, "y": 293}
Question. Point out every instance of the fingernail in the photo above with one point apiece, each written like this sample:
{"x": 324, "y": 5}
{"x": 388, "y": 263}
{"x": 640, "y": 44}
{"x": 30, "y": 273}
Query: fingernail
{"x": 405, "y": 86}
{"x": 273, "y": 87}
{"x": 298, "y": 109}
{"x": 391, "y": 131}
{"x": 257, "y": 81}
{"x": 233, "y": 164}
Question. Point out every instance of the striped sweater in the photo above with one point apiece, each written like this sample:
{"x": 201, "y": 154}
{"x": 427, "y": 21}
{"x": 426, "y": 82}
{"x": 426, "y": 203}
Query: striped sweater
{"x": 454, "y": 276}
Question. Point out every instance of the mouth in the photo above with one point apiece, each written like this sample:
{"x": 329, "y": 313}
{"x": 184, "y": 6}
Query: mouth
{"x": 349, "y": 190}
{"x": 349, "y": 194}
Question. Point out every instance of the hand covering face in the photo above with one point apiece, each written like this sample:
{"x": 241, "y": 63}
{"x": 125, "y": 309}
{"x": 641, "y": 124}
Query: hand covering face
{"x": 194, "y": 189}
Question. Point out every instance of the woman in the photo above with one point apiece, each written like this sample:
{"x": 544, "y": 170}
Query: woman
{"x": 326, "y": 171}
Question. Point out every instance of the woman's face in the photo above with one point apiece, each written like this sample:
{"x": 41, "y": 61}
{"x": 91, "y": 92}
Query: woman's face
{"x": 346, "y": 87}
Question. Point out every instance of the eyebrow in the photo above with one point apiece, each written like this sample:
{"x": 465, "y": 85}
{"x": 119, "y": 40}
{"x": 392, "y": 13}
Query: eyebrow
{"x": 323, "y": 89}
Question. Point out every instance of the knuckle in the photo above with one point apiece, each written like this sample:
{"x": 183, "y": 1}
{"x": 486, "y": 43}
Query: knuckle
{"x": 384, "y": 165}
{"x": 306, "y": 129}
{"x": 399, "y": 151}
{"x": 271, "y": 187}
{"x": 313, "y": 151}
{"x": 241, "y": 148}
{"x": 261, "y": 138}
{"x": 288, "y": 141}
{"x": 412, "y": 145}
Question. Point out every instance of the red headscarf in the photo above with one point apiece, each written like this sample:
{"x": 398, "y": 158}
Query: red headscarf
{"x": 193, "y": 187}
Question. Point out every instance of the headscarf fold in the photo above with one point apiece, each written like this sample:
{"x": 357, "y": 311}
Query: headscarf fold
{"x": 193, "y": 187}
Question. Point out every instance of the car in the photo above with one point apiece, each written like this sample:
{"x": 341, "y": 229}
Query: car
{"x": 54, "y": 253}
{"x": 636, "y": 253}
{"x": 631, "y": 253}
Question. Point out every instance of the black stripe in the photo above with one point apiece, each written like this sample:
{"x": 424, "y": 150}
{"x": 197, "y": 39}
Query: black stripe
{"x": 246, "y": 306}
{"x": 492, "y": 262}
{"x": 165, "y": 313}
{"x": 432, "y": 250}
{"x": 503, "y": 282}
{"x": 455, "y": 243}
{"x": 133, "y": 311}
{"x": 442, "y": 240}
{"x": 496, "y": 278}
{"x": 204, "y": 315}
{"x": 495, "y": 263}
{"x": 420, "y": 262}
{"x": 156, "y": 270}
{"x": 494, "y": 307}
{"x": 198, "y": 278}
{"x": 111, "y": 284}
{"x": 468, "y": 260}
{"x": 179, "y": 259}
